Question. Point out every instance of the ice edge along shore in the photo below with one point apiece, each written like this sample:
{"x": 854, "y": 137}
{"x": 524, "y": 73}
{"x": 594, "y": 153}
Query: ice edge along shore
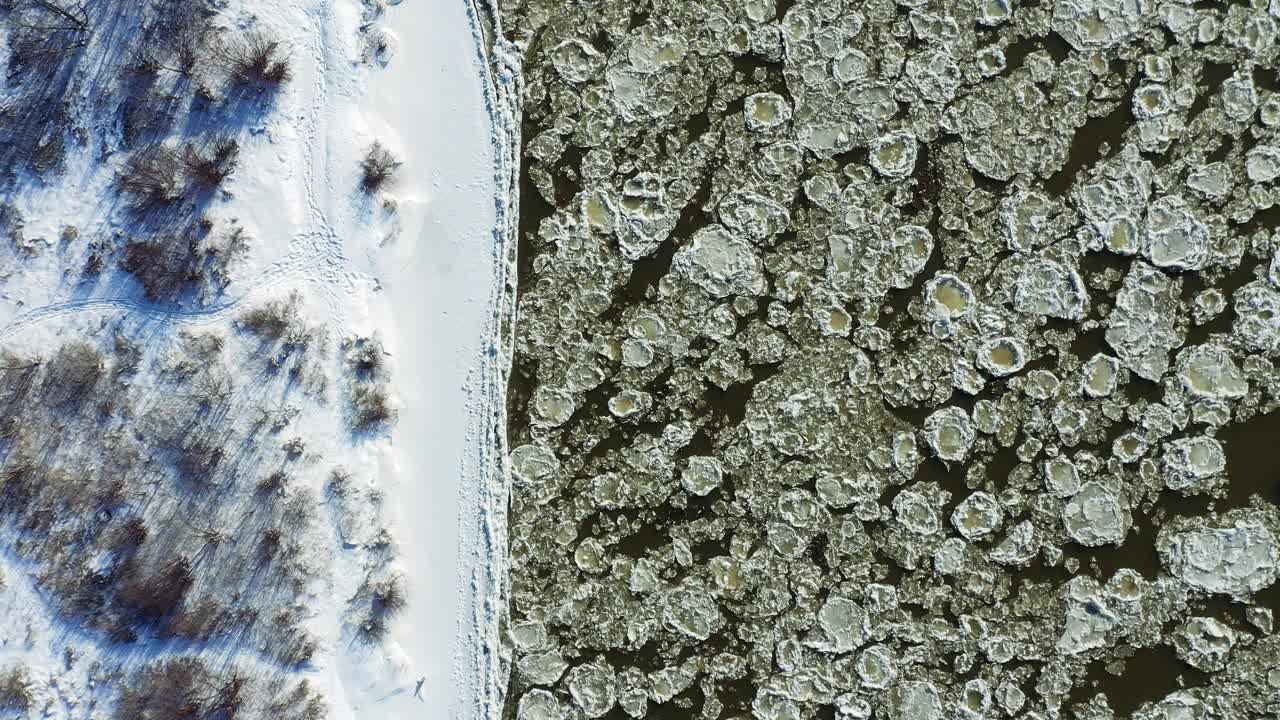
{"x": 482, "y": 660}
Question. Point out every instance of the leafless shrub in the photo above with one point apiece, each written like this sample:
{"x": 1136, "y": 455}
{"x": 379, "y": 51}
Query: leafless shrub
{"x": 367, "y": 357}
{"x": 181, "y": 47}
{"x": 378, "y": 168}
{"x": 373, "y": 628}
{"x": 273, "y": 319}
{"x": 147, "y": 114}
{"x": 208, "y": 164}
{"x": 172, "y": 688}
{"x": 339, "y": 483}
{"x": 45, "y": 32}
{"x": 11, "y": 221}
{"x": 200, "y": 620}
{"x": 18, "y": 376}
{"x": 300, "y": 703}
{"x": 198, "y": 458}
{"x": 15, "y": 688}
{"x": 389, "y": 595}
{"x": 73, "y": 372}
{"x": 158, "y": 593}
{"x": 150, "y": 178}
{"x": 163, "y": 266}
{"x": 130, "y": 535}
{"x": 273, "y": 483}
{"x": 296, "y": 645}
{"x": 269, "y": 545}
{"x": 49, "y": 152}
{"x": 20, "y": 479}
{"x": 259, "y": 60}
{"x": 370, "y": 408}
{"x": 168, "y": 267}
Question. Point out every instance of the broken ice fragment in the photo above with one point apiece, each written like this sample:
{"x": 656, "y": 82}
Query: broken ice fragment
{"x": 628, "y": 403}
{"x": 1204, "y": 643}
{"x": 645, "y": 219}
{"x": 1061, "y": 478}
{"x": 702, "y": 475}
{"x": 1049, "y": 288}
{"x": 1026, "y": 215}
{"x": 1257, "y": 309}
{"x": 842, "y": 620}
{"x": 850, "y": 66}
{"x": 539, "y": 704}
{"x": 1018, "y": 547}
{"x": 915, "y": 700}
{"x": 916, "y": 513}
{"x": 1001, "y": 356}
{"x": 894, "y": 155}
{"x": 1120, "y": 234}
{"x": 532, "y": 463}
{"x": 798, "y": 508}
{"x": 1262, "y": 163}
{"x": 719, "y": 263}
{"x": 1212, "y": 181}
{"x": 1100, "y": 375}
{"x": 589, "y": 557}
{"x": 1142, "y": 328}
{"x": 877, "y": 668}
{"x": 977, "y": 516}
{"x": 934, "y": 75}
{"x": 1236, "y": 559}
{"x": 753, "y": 215}
{"x": 692, "y": 611}
{"x": 1087, "y": 622}
{"x": 909, "y": 250}
{"x": 543, "y": 668}
{"x": 993, "y": 12}
{"x": 1126, "y": 586}
{"x": 1091, "y": 24}
{"x": 1189, "y": 462}
{"x": 990, "y": 61}
{"x": 766, "y": 111}
{"x": 592, "y": 688}
{"x": 1207, "y": 371}
{"x": 576, "y": 61}
{"x": 947, "y": 298}
{"x": 636, "y": 353}
{"x": 1097, "y": 515}
{"x": 1175, "y": 237}
{"x": 552, "y": 406}
{"x": 949, "y": 433}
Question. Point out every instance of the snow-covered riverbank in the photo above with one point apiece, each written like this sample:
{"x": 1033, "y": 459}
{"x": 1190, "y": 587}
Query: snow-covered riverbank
{"x": 444, "y": 114}
{"x": 425, "y": 266}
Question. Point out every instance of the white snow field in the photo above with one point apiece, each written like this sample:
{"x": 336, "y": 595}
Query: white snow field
{"x": 433, "y": 279}
{"x": 445, "y": 295}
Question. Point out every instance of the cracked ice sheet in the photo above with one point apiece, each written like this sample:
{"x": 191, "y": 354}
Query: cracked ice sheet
{"x": 438, "y": 287}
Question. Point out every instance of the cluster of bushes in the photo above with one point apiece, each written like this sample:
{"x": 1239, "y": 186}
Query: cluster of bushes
{"x": 164, "y": 498}
{"x": 369, "y": 403}
{"x": 15, "y": 688}
{"x": 195, "y": 263}
{"x": 184, "y": 92}
{"x": 187, "y": 687}
{"x": 287, "y": 342}
{"x": 157, "y": 59}
{"x": 161, "y": 173}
